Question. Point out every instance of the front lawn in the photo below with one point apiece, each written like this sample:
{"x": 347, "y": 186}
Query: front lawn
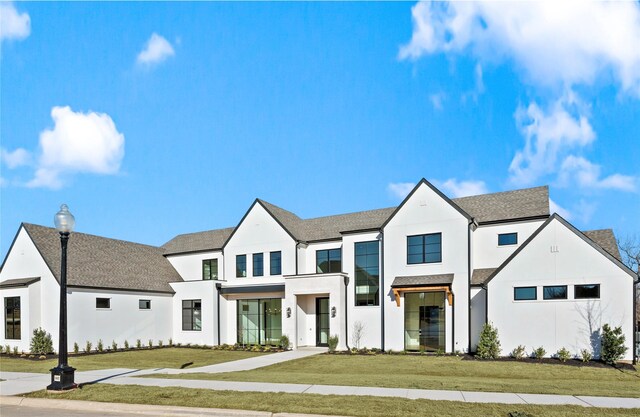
{"x": 133, "y": 359}
{"x": 445, "y": 373}
{"x": 319, "y": 404}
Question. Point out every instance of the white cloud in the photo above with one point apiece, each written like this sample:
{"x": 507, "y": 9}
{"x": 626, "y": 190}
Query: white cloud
{"x": 14, "y": 159}
{"x": 588, "y": 175}
{"x": 551, "y": 43}
{"x": 437, "y": 100}
{"x": 555, "y": 208}
{"x": 454, "y": 188}
{"x": 13, "y": 25}
{"x": 548, "y": 134}
{"x": 155, "y": 51}
{"x": 78, "y": 143}
{"x": 400, "y": 189}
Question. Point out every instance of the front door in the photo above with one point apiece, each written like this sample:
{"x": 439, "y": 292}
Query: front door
{"x": 322, "y": 321}
{"x": 424, "y": 321}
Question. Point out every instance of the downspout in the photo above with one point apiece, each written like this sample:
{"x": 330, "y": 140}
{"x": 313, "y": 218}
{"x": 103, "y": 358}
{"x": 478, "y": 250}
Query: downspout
{"x": 635, "y": 321}
{"x": 346, "y": 306}
{"x": 218, "y": 286}
{"x": 382, "y": 297}
{"x": 296, "y": 255}
{"x": 453, "y": 322}
{"x": 486, "y": 303}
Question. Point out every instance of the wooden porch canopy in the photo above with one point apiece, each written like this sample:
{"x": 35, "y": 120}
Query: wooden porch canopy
{"x": 423, "y": 283}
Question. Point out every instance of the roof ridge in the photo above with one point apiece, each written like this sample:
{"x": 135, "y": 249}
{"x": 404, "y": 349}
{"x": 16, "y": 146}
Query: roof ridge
{"x": 350, "y": 213}
{"x": 271, "y": 205}
{"x": 202, "y": 231}
{"x": 502, "y": 192}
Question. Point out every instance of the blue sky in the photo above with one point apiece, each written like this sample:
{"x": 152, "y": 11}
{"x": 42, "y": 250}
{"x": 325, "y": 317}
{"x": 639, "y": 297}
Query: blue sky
{"x": 155, "y": 119}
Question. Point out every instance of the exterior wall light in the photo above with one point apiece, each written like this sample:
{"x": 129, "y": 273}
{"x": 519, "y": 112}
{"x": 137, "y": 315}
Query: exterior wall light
{"x": 333, "y": 311}
{"x": 288, "y": 312}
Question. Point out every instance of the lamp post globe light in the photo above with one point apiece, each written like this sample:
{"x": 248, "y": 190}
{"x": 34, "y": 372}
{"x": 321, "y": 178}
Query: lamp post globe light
{"x": 62, "y": 376}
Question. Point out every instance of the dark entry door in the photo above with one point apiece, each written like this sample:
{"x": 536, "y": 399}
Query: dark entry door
{"x": 430, "y": 327}
{"x": 322, "y": 321}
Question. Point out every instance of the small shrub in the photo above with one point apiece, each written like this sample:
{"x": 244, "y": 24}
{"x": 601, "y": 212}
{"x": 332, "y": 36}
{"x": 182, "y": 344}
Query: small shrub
{"x": 612, "y": 344}
{"x": 76, "y": 348}
{"x": 586, "y": 355}
{"x": 563, "y": 354}
{"x": 519, "y": 352}
{"x": 390, "y": 352}
{"x": 170, "y": 341}
{"x": 160, "y": 343}
{"x": 41, "y": 342}
{"x": 7, "y": 349}
{"x": 354, "y": 350}
{"x": 439, "y": 352}
{"x": 333, "y": 343}
{"x": 100, "y": 347}
{"x": 256, "y": 348}
{"x": 489, "y": 344}
{"x": 87, "y": 347}
{"x": 114, "y": 346}
{"x": 539, "y": 353}
{"x": 126, "y": 344}
{"x": 150, "y": 343}
{"x": 139, "y": 344}
{"x": 15, "y": 350}
{"x": 284, "y": 342}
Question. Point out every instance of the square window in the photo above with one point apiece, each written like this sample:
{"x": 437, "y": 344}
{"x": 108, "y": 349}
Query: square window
{"x": 144, "y": 304}
{"x": 329, "y": 260}
{"x": 424, "y": 249}
{"x": 210, "y": 269}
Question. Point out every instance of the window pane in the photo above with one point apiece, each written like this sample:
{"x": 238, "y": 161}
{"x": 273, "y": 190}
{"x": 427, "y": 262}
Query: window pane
{"x": 525, "y": 293}
{"x": 322, "y": 261}
{"x": 367, "y": 274}
{"x": 415, "y": 240}
{"x": 191, "y": 315}
{"x": 587, "y": 291}
{"x": 12, "y": 329}
{"x": 276, "y": 263}
{"x": 557, "y": 292}
{"x": 214, "y": 269}
{"x": 241, "y": 266}
{"x": 507, "y": 239}
{"x": 103, "y": 303}
{"x": 144, "y": 304}
{"x": 258, "y": 265}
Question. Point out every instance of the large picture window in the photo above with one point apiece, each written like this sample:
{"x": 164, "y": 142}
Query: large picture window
{"x": 12, "y": 327}
{"x": 191, "y": 315}
{"x": 259, "y": 321}
{"x": 258, "y": 264}
{"x": 275, "y": 263}
{"x": 329, "y": 260}
{"x": 210, "y": 269}
{"x": 424, "y": 249}
{"x": 241, "y": 266}
{"x": 367, "y": 265}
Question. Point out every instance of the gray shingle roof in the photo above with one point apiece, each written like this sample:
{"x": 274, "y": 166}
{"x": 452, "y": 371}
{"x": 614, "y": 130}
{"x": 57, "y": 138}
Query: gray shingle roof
{"x": 606, "y": 239}
{"x": 420, "y": 280}
{"x": 95, "y": 261}
{"x": 509, "y": 205}
{"x": 18, "y": 282}
{"x": 480, "y": 275}
{"x": 200, "y": 241}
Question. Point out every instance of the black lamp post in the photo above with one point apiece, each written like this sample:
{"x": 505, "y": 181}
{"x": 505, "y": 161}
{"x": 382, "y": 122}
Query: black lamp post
{"x": 63, "y": 374}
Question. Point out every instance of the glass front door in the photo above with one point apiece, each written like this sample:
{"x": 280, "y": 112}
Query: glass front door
{"x": 424, "y": 321}
{"x": 259, "y": 321}
{"x": 322, "y": 321}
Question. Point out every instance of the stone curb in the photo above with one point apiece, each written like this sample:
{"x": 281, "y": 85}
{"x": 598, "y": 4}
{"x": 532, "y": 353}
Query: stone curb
{"x": 142, "y": 409}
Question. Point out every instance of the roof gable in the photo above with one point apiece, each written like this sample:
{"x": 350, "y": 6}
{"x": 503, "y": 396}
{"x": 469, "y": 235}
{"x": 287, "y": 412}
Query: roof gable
{"x": 575, "y": 231}
{"x": 100, "y": 262}
{"x": 209, "y": 240}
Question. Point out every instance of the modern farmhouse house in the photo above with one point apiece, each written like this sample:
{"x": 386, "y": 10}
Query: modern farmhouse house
{"x": 425, "y": 275}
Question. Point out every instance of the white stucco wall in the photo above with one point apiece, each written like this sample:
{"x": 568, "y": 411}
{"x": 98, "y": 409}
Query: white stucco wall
{"x": 478, "y": 314}
{"x": 189, "y": 265}
{"x": 557, "y": 256}
{"x": 487, "y": 253}
{"x": 426, "y": 212}
{"x": 259, "y": 233}
{"x": 205, "y": 291}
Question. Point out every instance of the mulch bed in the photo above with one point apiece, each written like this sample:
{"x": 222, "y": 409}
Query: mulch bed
{"x": 554, "y": 361}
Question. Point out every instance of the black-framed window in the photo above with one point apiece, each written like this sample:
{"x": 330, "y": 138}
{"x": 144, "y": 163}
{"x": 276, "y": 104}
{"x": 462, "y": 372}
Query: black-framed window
{"x": 12, "y": 321}
{"x": 191, "y": 315}
{"x": 258, "y": 264}
{"x": 586, "y": 291}
{"x": 144, "y": 304}
{"x": 525, "y": 293}
{"x": 103, "y": 302}
{"x": 367, "y": 265}
{"x": 554, "y": 292}
{"x": 328, "y": 260}
{"x": 275, "y": 263}
{"x": 241, "y": 266}
{"x": 505, "y": 239}
{"x": 210, "y": 269}
{"x": 424, "y": 249}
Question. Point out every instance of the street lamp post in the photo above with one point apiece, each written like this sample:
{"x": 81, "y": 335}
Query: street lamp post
{"x": 62, "y": 376}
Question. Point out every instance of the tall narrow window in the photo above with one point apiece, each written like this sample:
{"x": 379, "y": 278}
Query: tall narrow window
{"x": 12, "y": 326}
{"x": 241, "y": 266}
{"x": 275, "y": 263}
{"x": 191, "y": 315}
{"x": 210, "y": 269}
{"x": 258, "y": 264}
{"x": 367, "y": 273}
{"x": 424, "y": 249}
{"x": 329, "y": 260}
{"x": 506, "y": 239}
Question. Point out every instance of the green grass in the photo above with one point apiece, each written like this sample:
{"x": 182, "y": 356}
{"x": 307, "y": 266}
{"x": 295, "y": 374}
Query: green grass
{"x": 445, "y": 373}
{"x": 318, "y": 404}
{"x": 134, "y": 359}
